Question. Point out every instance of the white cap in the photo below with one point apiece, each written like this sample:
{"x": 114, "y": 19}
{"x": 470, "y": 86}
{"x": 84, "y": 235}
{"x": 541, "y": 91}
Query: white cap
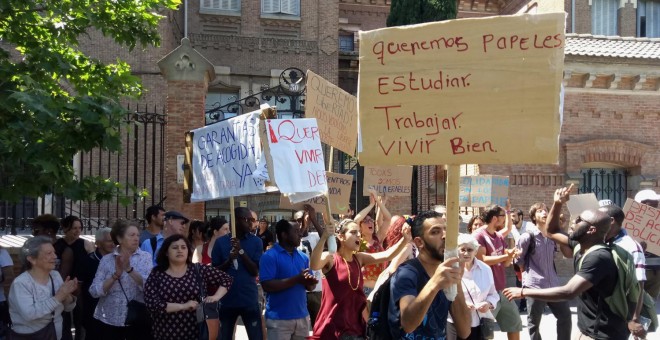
{"x": 604, "y": 203}
{"x": 646, "y": 195}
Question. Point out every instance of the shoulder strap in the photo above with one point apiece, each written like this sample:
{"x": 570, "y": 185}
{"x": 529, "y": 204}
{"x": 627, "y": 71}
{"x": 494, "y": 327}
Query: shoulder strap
{"x": 470, "y": 295}
{"x": 154, "y": 242}
{"x": 52, "y": 290}
{"x": 594, "y": 247}
{"x": 417, "y": 264}
{"x": 200, "y": 282}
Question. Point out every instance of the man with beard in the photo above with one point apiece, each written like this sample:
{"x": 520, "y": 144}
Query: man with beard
{"x": 416, "y": 313}
{"x": 242, "y": 300}
{"x": 155, "y": 217}
{"x": 494, "y": 253}
{"x": 536, "y": 261}
{"x": 596, "y": 274}
{"x": 285, "y": 277}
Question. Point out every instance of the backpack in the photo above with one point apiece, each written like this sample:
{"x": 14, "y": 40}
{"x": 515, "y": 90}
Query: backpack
{"x": 626, "y": 291}
{"x": 378, "y": 326}
{"x": 153, "y": 240}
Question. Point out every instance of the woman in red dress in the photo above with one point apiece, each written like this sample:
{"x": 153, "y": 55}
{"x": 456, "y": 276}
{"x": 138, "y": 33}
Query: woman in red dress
{"x": 343, "y": 299}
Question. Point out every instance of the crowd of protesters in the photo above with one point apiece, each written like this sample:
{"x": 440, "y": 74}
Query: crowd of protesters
{"x": 178, "y": 279}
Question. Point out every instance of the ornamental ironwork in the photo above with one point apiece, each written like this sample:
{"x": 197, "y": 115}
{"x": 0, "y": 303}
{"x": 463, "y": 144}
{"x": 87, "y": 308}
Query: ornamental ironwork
{"x": 288, "y": 97}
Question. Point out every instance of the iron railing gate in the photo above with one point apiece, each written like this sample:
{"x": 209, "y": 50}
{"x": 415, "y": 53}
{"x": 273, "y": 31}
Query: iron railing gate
{"x": 609, "y": 184}
{"x": 141, "y": 164}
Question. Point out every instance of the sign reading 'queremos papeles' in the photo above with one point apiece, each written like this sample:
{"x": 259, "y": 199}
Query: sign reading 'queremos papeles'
{"x": 454, "y": 92}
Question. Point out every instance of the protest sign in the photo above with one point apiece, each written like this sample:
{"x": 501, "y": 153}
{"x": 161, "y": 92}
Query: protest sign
{"x": 339, "y": 189}
{"x": 449, "y": 92}
{"x": 579, "y": 203}
{"x": 335, "y": 111}
{"x": 642, "y": 223}
{"x": 388, "y": 180}
{"x": 483, "y": 190}
{"x": 295, "y": 147}
{"x": 224, "y": 157}
{"x": 464, "y": 187}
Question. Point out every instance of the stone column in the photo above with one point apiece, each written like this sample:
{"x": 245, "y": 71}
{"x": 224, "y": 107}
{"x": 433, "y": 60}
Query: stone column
{"x": 188, "y": 75}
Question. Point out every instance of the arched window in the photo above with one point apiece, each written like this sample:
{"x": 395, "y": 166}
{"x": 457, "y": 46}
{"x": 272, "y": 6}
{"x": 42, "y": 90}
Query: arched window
{"x": 605, "y": 183}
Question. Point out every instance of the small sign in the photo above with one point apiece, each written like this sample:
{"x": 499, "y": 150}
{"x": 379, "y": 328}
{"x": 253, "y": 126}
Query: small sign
{"x": 579, "y": 203}
{"x": 483, "y": 191}
{"x": 642, "y": 223}
{"x": 388, "y": 180}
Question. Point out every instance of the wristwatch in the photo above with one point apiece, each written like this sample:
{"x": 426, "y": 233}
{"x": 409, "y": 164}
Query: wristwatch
{"x": 241, "y": 252}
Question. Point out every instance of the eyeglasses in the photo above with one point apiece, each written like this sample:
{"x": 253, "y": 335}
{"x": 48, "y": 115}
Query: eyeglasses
{"x": 467, "y": 250}
{"x": 368, "y": 220}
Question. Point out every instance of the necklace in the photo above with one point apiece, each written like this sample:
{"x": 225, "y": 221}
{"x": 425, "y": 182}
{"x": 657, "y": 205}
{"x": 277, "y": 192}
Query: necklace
{"x": 348, "y": 268}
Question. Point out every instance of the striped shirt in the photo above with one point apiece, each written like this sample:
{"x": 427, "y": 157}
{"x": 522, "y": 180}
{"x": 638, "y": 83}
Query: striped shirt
{"x": 626, "y": 242}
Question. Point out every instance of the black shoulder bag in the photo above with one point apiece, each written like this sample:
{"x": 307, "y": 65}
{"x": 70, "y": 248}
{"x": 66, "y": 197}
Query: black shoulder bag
{"x": 137, "y": 314}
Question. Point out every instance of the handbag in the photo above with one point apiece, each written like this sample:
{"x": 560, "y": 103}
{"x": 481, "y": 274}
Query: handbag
{"x": 136, "y": 311}
{"x": 199, "y": 312}
{"x": 46, "y": 333}
{"x": 486, "y": 325}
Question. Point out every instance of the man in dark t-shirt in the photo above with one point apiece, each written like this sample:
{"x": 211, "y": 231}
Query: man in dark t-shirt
{"x": 418, "y": 306}
{"x": 595, "y": 274}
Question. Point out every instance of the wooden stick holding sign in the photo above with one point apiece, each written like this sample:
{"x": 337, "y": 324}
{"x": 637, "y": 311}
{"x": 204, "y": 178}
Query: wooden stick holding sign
{"x": 451, "y": 234}
{"x": 232, "y": 219}
{"x": 332, "y": 242}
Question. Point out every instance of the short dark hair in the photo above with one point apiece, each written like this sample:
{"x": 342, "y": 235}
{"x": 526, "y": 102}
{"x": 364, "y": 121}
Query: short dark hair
{"x": 518, "y": 212}
{"x": 490, "y": 212}
{"x": 417, "y": 229}
{"x": 67, "y": 222}
{"x": 162, "y": 262}
{"x": 46, "y": 221}
{"x": 534, "y": 208}
{"x": 151, "y": 211}
{"x": 216, "y": 223}
{"x": 615, "y": 212}
{"x": 242, "y": 211}
{"x": 118, "y": 230}
{"x": 282, "y": 226}
{"x": 198, "y": 225}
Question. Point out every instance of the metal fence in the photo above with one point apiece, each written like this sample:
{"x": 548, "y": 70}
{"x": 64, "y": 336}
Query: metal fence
{"x": 140, "y": 163}
{"x": 609, "y": 184}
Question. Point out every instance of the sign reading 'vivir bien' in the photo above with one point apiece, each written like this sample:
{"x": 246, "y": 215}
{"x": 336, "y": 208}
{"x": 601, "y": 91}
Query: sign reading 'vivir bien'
{"x": 450, "y": 92}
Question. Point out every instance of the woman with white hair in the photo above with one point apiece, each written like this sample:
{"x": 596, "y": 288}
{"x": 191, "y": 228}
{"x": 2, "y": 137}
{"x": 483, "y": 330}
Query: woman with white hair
{"x": 38, "y": 296}
{"x": 478, "y": 287}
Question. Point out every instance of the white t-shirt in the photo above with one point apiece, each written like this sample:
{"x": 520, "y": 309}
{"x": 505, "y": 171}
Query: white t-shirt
{"x": 526, "y": 226}
{"x": 307, "y": 244}
{"x": 5, "y": 261}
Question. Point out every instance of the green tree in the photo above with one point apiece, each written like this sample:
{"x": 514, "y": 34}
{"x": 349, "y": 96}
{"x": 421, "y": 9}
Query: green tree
{"x": 56, "y": 101}
{"x": 408, "y": 12}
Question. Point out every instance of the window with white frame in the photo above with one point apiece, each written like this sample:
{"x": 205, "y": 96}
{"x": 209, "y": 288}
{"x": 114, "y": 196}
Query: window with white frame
{"x": 220, "y": 5}
{"x": 604, "y": 17}
{"x": 648, "y": 18}
{"x": 288, "y": 7}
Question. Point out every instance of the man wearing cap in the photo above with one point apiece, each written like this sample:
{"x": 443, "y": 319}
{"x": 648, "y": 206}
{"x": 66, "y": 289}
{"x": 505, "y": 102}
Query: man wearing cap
{"x": 174, "y": 223}
{"x": 652, "y": 284}
{"x": 264, "y": 234}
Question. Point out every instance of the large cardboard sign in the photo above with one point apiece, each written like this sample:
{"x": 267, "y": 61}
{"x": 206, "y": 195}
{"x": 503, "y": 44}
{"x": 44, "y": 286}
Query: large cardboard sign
{"x": 295, "y": 147}
{"x": 450, "y": 92}
{"x": 335, "y": 111}
{"x": 225, "y": 155}
{"x": 388, "y": 180}
{"x": 579, "y": 203}
{"x": 339, "y": 189}
{"x": 483, "y": 190}
{"x": 642, "y": 223}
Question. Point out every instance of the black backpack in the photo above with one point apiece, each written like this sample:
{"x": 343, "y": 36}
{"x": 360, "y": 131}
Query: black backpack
{"x": 378, "y": 326}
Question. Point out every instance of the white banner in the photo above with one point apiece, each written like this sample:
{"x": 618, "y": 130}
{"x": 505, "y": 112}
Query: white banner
{"x": 225, "y": 155}
{"x": 295, "y": 147}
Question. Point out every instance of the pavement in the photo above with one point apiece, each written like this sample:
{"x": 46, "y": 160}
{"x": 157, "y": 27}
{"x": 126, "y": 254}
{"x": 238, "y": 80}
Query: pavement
{"x": 548, "y": 327}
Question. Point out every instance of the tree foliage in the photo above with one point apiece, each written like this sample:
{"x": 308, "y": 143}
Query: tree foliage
{"x": 408, "y": 12}
{"x": 56, "y": 101}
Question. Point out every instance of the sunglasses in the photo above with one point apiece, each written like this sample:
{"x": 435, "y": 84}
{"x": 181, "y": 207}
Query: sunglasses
{"x": 580, "y": 219}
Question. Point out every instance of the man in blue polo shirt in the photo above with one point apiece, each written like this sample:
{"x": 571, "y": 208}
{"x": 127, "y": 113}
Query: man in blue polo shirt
{"x": 285, "y": 277}
{"x": 246, "y": 249}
